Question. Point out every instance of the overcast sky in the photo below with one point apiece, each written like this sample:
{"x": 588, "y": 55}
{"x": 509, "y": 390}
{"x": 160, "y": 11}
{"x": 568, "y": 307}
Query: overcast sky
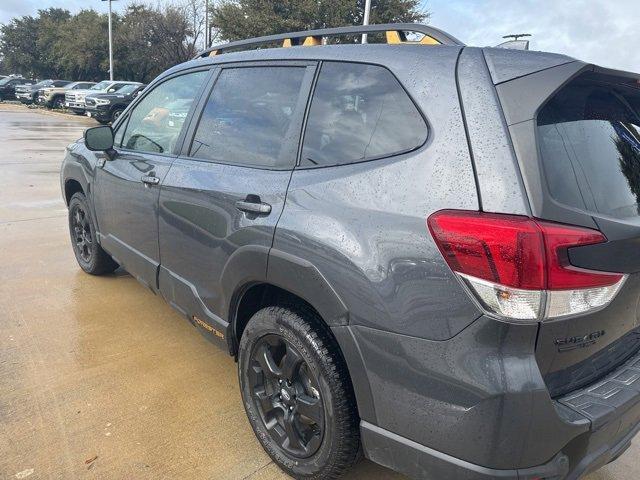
{"x": 598, "y": 31}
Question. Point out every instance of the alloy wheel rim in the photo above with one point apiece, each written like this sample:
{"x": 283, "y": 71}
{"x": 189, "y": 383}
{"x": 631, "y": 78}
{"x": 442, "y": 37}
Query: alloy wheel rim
{"x": 82, "y": 233}
{"x": 287, "y": 396}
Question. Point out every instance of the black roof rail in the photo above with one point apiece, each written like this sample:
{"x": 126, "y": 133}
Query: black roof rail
{"x": 396, "y": 33}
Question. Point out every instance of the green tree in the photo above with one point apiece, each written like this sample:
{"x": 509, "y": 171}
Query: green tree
{"x": 149, "y": 40}
{"x": 18, "y": 44}
{"x": 51, "y": 25}
{"x": 135, "y": 52}
{"x": 82, "y": 48}
{"x": 237, "y": 19}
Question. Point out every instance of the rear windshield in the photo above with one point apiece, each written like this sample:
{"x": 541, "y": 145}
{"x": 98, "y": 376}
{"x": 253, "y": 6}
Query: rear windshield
{"x": 589, "y": 136}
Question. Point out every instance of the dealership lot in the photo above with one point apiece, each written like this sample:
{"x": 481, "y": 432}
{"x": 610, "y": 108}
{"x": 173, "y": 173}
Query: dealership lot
{"x": 98, "y": 377}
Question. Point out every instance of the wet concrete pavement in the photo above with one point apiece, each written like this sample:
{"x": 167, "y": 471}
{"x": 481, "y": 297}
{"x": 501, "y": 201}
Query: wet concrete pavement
{"x": 99, "y": 378}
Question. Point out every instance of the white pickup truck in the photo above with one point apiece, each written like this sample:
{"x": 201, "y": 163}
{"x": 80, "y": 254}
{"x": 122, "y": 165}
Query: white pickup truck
{"x": 74, "y": 99}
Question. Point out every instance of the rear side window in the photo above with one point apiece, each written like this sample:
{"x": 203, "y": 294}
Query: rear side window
{"x": 248, "y": 116}
{"x": 359, "y": 112}
{"x": 589, "y": 136}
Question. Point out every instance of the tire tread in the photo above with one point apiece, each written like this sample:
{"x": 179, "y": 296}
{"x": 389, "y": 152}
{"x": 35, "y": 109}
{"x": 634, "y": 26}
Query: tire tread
{"x": 304, "y": 321}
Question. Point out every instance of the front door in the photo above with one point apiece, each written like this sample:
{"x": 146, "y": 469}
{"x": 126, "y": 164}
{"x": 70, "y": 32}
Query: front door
{"x": 222, "y": 199}
{"x": 128, "y": 185}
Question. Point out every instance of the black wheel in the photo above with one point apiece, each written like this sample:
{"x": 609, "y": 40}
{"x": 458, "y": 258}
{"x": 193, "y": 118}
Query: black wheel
{"x": 58, "y": 102}
{"x": 297, "y": 393}
{"x": 90, "y": 255}
{"x": 116, "y": 113}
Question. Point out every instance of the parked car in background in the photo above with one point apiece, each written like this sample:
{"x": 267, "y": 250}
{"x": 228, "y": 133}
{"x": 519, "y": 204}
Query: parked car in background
{"x": 107, "y": 107}
{"x": 8, "y": 87}
{"x": 28, "y": 94}
{"x": 53, "y": 97}
{"x": 74, "y": 100}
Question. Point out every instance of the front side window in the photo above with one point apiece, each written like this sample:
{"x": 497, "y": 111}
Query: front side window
{"x": 155, "y": 123}
{"x": 589, "y": 136}
{"x": 359, "y": 112}
{"x": 101, "y": 86}
{"x": 116, "y": 86}
{"x": 248, "y": 116}
{"x": 127, "y": 89}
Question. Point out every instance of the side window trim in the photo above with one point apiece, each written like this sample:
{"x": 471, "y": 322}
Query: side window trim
{"x": 299, "y": 166}
{"x": 124, "y": 122}
{"x": 308, "y": 83}
{"x": 150, "y": 88}
{"x": 307, "y": 109}
{"x": 192, "y": 122}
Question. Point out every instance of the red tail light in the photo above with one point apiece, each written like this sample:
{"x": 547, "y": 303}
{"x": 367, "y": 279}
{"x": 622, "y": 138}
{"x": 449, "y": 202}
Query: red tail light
{"x": 519, "y": 253}
{"x": 503, "y": 249}
{"x": 561, "y": 275}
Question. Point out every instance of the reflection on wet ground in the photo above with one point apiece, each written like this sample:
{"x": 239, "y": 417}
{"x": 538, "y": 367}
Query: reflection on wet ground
{"x": 97, "y": 375}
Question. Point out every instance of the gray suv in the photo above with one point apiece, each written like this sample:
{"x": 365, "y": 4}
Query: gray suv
{"x": 419, "y": 251}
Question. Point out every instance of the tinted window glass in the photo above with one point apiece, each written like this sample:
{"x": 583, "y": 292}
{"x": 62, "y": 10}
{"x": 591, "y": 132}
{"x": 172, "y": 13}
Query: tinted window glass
{"x": 155, "y": 123}
{"x": 102, "y": 85}
{"x": 590, "y": 143}
{"x": 248, "y": 116}
{"x": 359, "y": 112}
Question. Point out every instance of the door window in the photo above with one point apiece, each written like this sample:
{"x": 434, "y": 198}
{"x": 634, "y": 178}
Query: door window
{"x": 155, "y": 123}
{"x": 249, "y": 117}
{"x": 359, "y": 112}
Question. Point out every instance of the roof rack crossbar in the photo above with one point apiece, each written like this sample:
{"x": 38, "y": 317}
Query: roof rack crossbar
{"x": 314, "y": 37}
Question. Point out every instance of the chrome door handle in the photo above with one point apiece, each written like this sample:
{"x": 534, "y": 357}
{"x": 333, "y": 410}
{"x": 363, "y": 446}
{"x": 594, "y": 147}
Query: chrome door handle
{"x": 253, "y": 207}
{"x": 149, "y": 180}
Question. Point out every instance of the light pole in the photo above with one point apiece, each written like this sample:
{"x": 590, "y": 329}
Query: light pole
{"x": 365, "y": 21}
{"x": 207, "y": 40}
{"x": 110, "y": 43}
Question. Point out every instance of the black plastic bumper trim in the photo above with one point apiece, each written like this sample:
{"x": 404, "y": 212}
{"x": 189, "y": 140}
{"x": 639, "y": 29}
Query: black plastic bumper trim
{"x": 610, "y": 396}
{"x": 418, "y": 461}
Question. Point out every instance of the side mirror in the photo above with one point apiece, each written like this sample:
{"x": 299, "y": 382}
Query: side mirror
{"x": 99, "y": 139}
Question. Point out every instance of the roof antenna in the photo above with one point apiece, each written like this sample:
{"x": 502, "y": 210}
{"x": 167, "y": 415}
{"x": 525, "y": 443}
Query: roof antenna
{"x": 515, "y": 42}
{"x": 516, "y": 36}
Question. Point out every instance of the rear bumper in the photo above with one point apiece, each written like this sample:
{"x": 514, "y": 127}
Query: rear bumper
{"x": 575, "y": 461}
{"x": 476, "y": 406}
{"x": 418, "y": 461}
{"x": 612, "y": 407}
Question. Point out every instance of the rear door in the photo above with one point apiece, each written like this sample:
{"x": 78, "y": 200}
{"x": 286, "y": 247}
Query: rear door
{"x": 222, "y": 198}
{"x": 127, "y": 185}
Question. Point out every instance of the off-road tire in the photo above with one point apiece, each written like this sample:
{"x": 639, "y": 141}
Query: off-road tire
{"x": 97, "y": 262}
{"x": 303, "y": 329}
{"x": 116, "y": 114}
{"x": 57, "y": 103}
